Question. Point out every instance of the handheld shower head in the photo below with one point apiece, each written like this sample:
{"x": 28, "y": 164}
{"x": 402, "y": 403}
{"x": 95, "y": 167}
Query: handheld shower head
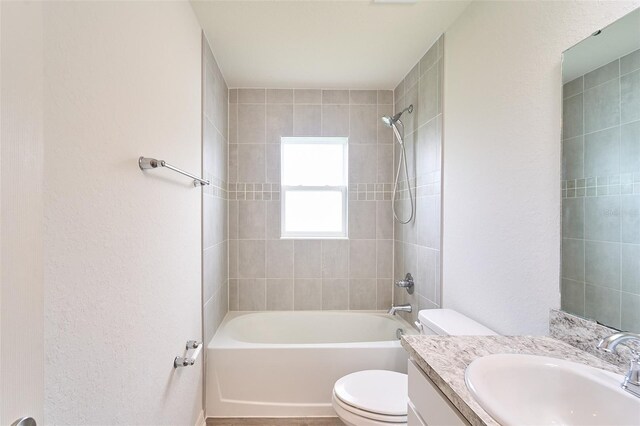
{"x": 389, "y": 121}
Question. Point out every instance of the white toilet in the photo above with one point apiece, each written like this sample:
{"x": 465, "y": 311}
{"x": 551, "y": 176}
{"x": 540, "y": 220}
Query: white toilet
{"x": 379, "y": 397}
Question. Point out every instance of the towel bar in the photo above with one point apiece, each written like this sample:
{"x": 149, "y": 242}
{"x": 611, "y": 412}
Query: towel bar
{"x": 151, "y": 163}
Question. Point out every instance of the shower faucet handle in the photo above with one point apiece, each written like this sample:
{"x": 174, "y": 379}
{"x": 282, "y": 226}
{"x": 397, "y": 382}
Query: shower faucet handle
{"x": 407, "y": 282}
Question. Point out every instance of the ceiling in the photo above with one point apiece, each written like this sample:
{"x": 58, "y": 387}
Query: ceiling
{"x": 322, "y": 44}
{"x": 615, "y": 40}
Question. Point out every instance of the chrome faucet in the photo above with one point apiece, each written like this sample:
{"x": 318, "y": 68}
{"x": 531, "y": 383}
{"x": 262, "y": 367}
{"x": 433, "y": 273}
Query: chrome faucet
{"x": 631, "y": 381}
{"x": 400, "y": 308}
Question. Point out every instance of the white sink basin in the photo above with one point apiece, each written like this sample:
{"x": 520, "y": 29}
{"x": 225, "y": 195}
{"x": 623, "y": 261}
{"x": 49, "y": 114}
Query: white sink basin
{"x": 537, "y": 390}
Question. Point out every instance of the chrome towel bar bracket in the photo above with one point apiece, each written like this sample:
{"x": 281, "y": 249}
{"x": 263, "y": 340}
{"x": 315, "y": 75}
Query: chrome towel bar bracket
{"x": 151, "y": 163}
{"x": 185, "y": 361}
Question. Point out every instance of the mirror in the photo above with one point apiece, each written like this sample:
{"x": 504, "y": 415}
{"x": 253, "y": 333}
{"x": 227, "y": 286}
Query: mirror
{"x": 600, "y": 273}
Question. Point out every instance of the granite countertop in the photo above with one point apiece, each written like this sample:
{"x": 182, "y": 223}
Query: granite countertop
{"x": 445, "y": 358}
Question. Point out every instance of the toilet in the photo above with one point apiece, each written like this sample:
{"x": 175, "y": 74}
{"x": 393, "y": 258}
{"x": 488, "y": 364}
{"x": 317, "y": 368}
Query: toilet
{"x": 379, "y": 397}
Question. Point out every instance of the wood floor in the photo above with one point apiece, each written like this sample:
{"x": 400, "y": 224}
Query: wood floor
{"x": 292, "y": 421}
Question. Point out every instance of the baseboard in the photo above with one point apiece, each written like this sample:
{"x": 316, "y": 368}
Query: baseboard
{"x": 274, "y": 421}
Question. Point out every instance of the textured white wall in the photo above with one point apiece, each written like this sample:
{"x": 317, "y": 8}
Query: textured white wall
{"x": 502, "y": 117}
{"x": 122, "y": 247}
{"x": 21, "y": 227}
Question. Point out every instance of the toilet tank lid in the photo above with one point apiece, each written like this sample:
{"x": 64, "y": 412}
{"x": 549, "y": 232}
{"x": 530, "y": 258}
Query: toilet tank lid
{"x": 447, "y": 322}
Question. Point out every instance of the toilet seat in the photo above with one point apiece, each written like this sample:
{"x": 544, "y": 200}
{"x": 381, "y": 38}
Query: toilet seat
{"x": 354, "y": 416}
{"x": 372, "y": 397}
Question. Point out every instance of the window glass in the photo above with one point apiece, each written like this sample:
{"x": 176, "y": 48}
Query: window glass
{"x": 314, "y": 176}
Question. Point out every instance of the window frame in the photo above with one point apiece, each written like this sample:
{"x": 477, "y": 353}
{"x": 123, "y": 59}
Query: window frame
{"x": 343, "y": 189}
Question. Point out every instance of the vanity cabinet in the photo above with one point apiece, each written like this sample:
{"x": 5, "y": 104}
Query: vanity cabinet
{"x": 427, "y": 404}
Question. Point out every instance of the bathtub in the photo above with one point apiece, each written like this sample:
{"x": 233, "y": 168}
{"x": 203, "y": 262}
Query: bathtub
{"x": 284, "y": 364}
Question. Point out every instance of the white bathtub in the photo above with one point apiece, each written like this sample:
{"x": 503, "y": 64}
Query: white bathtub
{"x": 284, "y": 364}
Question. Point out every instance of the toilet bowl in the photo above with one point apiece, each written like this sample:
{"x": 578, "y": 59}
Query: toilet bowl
{"x": 379, "y": 397}
{"x": 371, "y": 398}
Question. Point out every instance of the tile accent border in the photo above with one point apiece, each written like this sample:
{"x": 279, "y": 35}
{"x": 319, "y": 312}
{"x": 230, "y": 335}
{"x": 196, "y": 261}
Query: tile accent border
{"x": 626, "y": 183}
{"x": 254, "y": 191}
{"x": 585, "y": 334}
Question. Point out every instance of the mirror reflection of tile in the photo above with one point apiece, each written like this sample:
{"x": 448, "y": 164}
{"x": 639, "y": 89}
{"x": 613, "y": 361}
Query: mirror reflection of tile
{"x": 601, "y": 187}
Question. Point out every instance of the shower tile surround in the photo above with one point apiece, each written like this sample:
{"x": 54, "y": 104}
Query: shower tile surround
{"x": 270, "y": 273}
{"x": 214, "y": 196}
{"x": 418, "y": 243}
{"x": 601, "y": 194}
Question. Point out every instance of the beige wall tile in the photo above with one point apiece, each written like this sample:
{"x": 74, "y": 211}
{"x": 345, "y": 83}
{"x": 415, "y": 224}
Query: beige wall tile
{"x": 427, "y": 148}
{"x": 273, "y": 163}
{"x": 362, "y": 294}
{"x": 363, "y": 97}
{"x": 307, "y": 294}
{"x": 385, "y": 97}
{"x": 335, "y": 120}
{"x": 209, "y": 319}
{"x": 363, "y": 124}
{"x": 425, "y": 277}
{"x": 232, "y": 166}
{"x": 385, "y": 164}
{"x": 362, "y": 259}
{"x": 209, "y": 135}
{"x": 335, "y": 97}
{"x": 428, "y": 221}
{"x": 384, "y": 293}
{"x": 252, "y": 294}
{"x": 251, "y": 259}
{"x": 429, "y": 59}
{"x": 251, "y": 163}
{"x": 233, "y": 295}
{"x": 385, "y": 134}
{"x": 398, "y": 92}
{"x": 306, "y": 120}
{"x": 307, "y": 259}
{"x": 335, "y": 293}
{"x": 214, "y": 269}
{"x": 428, "y": 96}
{"x": 233, "y": 219}
{"x": 384, "y": 257}
{"x": 411, "y": 78}
{"x": 279, "y": 96}
{"x": 233, "y": 96}
{"x": 320, "y": 269}
{"x": 335, "y": 259}
{"x": 362, "y": 220}
{"x": 279, "y": 294}
{"x": 251, "y": 124}
{"x": 251, "y": 96}
{"x": 279, "y": 122}
{"x": 362, "y": 163}
{"x": 213, "y": 230}
{"x": 273, "y": 219}
{"x": 384, "y": 220}
{"x": 307, "y": 96}
{"x": 252, "y": 218}
{"x": 232, "y": 129}
{"x": 279, "y": 259}
{"x": 410, "y": 255}
{"x": 233, "y": 258}
{"x": 411, "y": 98}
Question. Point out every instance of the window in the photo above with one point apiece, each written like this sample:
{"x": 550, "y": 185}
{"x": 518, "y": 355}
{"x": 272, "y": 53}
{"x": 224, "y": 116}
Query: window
{"x": 314, "y": 176}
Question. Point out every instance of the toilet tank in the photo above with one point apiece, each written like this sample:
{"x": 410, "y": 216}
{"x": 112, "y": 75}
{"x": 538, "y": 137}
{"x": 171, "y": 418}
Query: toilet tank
{"x": 447, "y": 322}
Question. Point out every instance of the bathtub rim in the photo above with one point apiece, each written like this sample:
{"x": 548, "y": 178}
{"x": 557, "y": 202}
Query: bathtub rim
{"x": 222, "y": 340}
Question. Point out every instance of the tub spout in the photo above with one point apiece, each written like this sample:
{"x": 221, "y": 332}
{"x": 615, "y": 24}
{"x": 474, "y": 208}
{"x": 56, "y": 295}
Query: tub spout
{"x": 400, "y": 308}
